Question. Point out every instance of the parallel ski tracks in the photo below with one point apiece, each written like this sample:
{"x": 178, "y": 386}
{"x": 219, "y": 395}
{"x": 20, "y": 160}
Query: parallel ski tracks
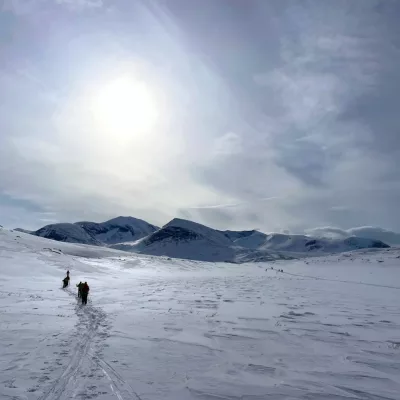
{"x": 64, "y": 387}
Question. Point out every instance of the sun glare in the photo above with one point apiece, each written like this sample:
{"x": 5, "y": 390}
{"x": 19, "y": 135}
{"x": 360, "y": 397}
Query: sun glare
{"x": 126, "y": 106}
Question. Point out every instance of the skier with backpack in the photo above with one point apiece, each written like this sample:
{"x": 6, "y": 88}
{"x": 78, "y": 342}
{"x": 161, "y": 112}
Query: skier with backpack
{"x": 79, "y": 286}
{"x": 84, "y": 292}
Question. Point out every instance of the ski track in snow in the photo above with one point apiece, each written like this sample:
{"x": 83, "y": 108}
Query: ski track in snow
{"x": 155, "y": 328}
{"x": 92, "y": 329}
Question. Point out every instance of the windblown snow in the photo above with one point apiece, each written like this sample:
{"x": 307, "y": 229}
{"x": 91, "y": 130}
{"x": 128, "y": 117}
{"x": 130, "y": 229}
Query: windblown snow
{"x": 156, "y": 328}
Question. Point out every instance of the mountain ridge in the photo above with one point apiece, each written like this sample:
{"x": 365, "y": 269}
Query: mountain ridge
{"x": 185, "y": 239}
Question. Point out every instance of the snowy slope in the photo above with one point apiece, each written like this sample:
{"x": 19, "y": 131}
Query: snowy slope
{"x": 234, "y": 235}
{"x": 190, "y": 240}
{"x": 213, "y": 235}
{"x": 118, "y": 230}
{"x": 250, "y": 240}
{"x": 22, "y": 230}
{"x": 187, "y": 240}
{"x": 301, "y": 244}
{"x": 369, "y": 232}
{"x": 326, "y": 328}
{"x": 66, "y": 233}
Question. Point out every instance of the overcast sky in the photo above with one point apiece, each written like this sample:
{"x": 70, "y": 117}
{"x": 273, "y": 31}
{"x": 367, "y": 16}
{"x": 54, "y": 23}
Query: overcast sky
{"x": 234, "y": 113}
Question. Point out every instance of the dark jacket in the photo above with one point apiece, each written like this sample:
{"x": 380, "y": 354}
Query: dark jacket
{"x": 85, "y": 288}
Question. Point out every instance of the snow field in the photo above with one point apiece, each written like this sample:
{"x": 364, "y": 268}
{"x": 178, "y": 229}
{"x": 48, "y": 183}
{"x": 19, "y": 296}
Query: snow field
{"x": 325, "y": 328}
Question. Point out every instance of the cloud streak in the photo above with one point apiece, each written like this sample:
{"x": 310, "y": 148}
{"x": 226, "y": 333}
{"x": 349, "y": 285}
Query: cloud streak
{"x": 229, "y": 205}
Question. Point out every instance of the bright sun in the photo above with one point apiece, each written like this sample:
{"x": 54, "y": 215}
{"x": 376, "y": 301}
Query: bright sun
{"x": 125, "y": 105}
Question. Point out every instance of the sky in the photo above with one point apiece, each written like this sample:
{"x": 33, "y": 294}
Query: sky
{"x": 239, "y": 114}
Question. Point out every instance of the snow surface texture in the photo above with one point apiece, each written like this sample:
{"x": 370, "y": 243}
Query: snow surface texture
{"x": 324, "y": 328}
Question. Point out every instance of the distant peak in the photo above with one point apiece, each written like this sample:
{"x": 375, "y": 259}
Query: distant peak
{"x": 184, "y": 223}
{"x": 124, "y": 220}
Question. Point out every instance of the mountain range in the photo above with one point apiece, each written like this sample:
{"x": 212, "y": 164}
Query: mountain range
{"x": 185, "y": 239}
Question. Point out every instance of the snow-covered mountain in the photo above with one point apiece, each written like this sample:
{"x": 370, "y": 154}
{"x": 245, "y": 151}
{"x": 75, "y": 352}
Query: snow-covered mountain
{"x": 118, "y": 230}
{"x": 369, "y": 232}
{"x": 301, "y": 243}
{"x": 190, "y": 240}
{"x": 213, "y": 235}
{"x": 185, "y": 239}
{"x": 67, "y": 233}
{"x": 307, "y": 244}
{"x": 248, "y": 239}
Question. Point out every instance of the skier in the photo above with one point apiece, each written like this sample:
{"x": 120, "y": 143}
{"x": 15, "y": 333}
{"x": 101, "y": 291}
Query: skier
{"x": 66, "y": 280}
{"x": 79, "y": 286}
{"x": 85, "y": 292}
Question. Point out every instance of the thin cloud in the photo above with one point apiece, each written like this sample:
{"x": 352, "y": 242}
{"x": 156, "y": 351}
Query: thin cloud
{"x": 284, "y": 117}
{"x": 81, "y": 4}
{"x": 229, "y": 205}
{"x": 29, "y": 7}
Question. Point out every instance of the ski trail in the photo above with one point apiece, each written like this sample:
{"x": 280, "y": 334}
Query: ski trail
{"x": 69, "y": 375}
{"x": 120, "y": 385}
{"x": 90, "y": 320}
